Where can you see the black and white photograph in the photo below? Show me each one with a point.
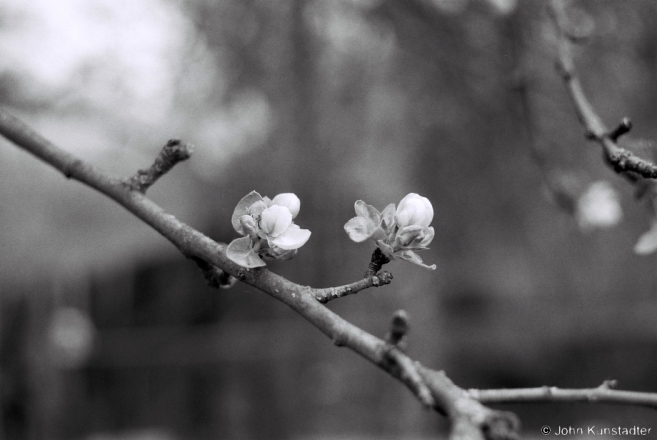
(328, 219)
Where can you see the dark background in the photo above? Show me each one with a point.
(107, 332)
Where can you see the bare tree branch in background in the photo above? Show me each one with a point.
(619, 159)
(637, 170)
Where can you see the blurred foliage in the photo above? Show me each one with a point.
(335, 101)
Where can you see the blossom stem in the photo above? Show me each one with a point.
(378, 260)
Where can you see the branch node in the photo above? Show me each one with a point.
(338, 341)
(608, 384)
(501, 425)
(619, 159)
(399, 326)
(70, 167)
(408, 371)
(173, 152)
(622, 128)
(214, 276)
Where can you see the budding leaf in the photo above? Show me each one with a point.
(360, 229)
(388, 218)
(240, 251)
(368, 211)
(242, 208)
(647, 243)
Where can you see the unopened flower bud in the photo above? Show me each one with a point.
(414, 210)
(249, 224)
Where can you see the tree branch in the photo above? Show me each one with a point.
(619, 159)
(466, 413)
(601, 394)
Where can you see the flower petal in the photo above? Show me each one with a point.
(242, 208)
(290, 201)
(360, 229)
(292, 238)
(275, 220)
(240, 252)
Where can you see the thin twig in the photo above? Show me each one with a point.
(620, 159)
(602, 394)
(331, 293)
(174, 151)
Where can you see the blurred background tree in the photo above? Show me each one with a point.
(105, 332)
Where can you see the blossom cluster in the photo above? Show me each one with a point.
(398, 232)
(267, 229)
